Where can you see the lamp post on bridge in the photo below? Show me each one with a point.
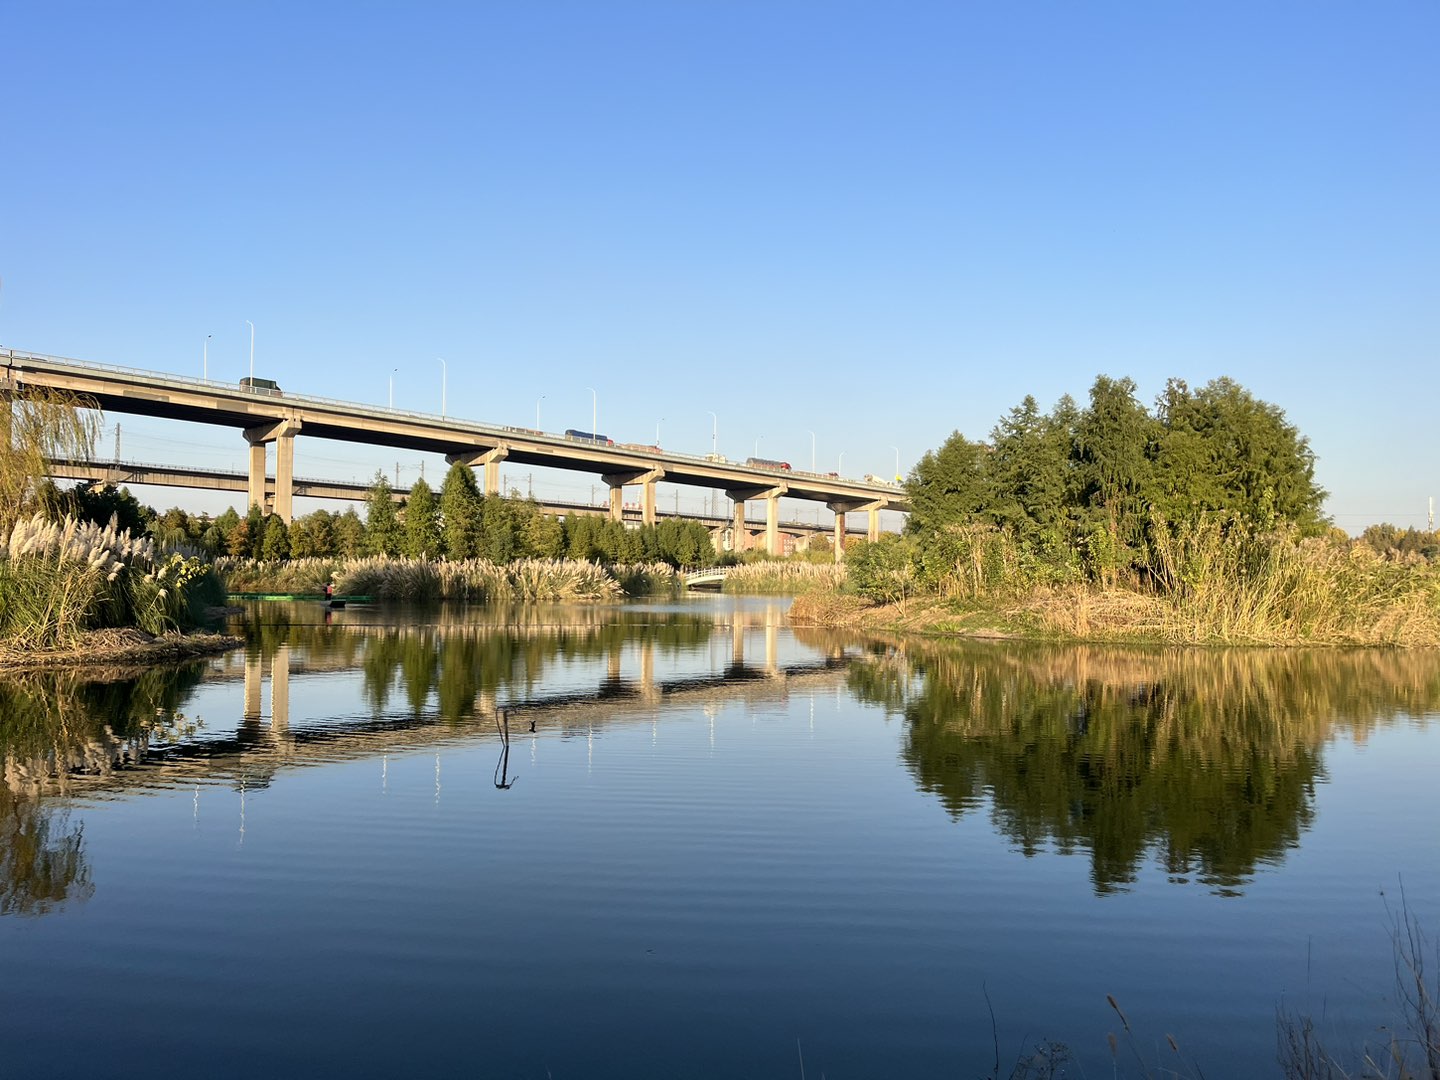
(392, 386)
(594, 411)
(252, 349)
(812, 450)
(205, 359)
(537, 412)
(897, 463)
(444, 378)
(840, 465)
(657, 430)
(714, 433)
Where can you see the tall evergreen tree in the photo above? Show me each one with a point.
(460, 513)
(382, 526)
(422, 522)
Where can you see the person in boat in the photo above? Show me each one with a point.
(329, 590)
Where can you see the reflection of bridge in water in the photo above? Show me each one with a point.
(265, 742)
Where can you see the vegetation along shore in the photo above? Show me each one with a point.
(1195, 521)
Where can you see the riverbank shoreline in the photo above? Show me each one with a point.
(1080, 616)
(125, 648)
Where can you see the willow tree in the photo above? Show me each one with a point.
(36, 428)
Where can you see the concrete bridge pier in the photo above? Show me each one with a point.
(282, 433)
(841, 507)
(773, 542)
(618, 481)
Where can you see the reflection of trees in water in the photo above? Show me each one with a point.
(461, 653)
(42, 859)
(1208, 759)
(53, 725)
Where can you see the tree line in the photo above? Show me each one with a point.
(458, 522)
(1084, 493)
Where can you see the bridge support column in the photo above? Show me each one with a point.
(774, 545)
(617, 482)
(285, 478)
(841, 507)
(873, 533)
(771, 495)
(840, 536)
(739, 538)
(256, 491)
(283, 433)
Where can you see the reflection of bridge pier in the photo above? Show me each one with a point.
(647, 670)
(253, 709)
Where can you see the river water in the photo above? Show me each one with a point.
(712, 846)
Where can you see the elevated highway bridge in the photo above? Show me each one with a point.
(265, 416)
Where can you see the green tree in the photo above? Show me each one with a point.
(349, 534)
(460, 513)
(35, 429)
(275, 543)
(382, 527)
(254, 532)
(422, 522)
(947, 486)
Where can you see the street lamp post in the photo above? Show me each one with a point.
(714, 433)
(392, 386)
(757, 444)
(840, 466)
(444, 378)
(812, 450)
(537, 412)
(205, 360)
(252, 349)
(657, 430)
(897, 463)
(594, 411)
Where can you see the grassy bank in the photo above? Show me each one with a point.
(60, 581)
(775, 577)
(1208, 588)
(465, 580)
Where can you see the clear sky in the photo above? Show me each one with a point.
(876, 222)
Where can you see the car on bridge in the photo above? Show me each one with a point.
(767, 463)
(588, 436)
(260, 386)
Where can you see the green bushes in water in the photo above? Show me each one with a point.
(60, 579)
(427, 580)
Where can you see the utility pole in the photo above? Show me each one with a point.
(117, 442)
(1431, 524)
(397, 474)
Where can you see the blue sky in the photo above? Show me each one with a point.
(876, 222)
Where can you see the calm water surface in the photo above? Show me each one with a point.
(712, 845)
